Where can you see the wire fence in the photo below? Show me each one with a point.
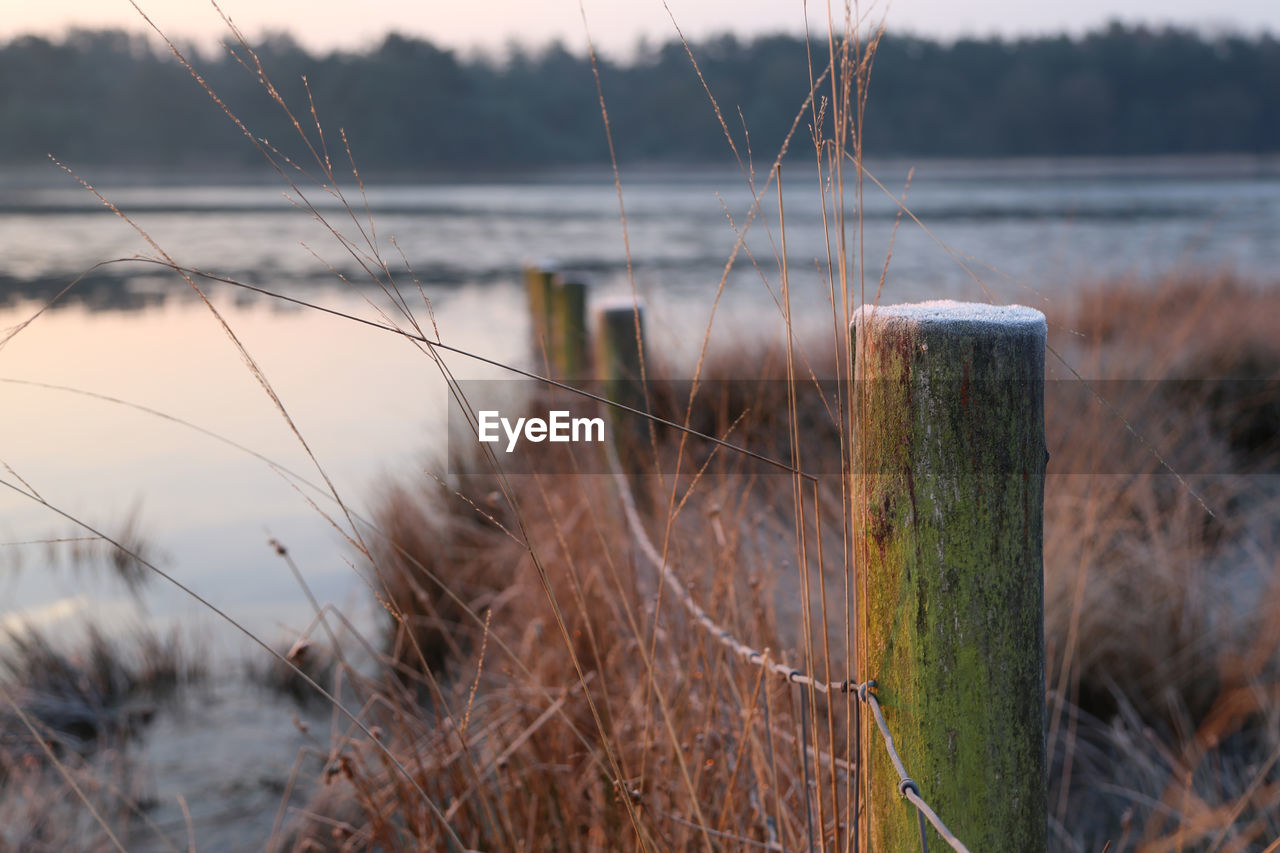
(907, 787)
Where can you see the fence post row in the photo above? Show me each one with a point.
(949, 463)
(558, 316)
(558, 321)
(948, 518)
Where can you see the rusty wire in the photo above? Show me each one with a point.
(906, 785)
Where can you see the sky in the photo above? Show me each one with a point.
(614, 25)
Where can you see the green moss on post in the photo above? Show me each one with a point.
(948, 516)
(569, 328)
(619, 355)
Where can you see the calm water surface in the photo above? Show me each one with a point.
(371, 406)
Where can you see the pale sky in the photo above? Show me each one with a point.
(614, 24)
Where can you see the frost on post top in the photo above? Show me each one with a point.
(943, 312)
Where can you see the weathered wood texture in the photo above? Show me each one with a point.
(619, 356)
(949, 456)
(569, 328)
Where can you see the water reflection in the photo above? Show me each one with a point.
(368, 404)
(1042, 224)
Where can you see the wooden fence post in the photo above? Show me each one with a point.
(948, 518)
(569, 328)
(619, 354)
(540, 282)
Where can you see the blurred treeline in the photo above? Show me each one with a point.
(108, 97)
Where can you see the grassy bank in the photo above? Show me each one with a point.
(535, 686)
(531, 660)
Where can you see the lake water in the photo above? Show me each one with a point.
(371, 406)
(82, 382)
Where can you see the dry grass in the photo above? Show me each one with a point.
(1162, 662)
(1160, 626)
(41, 811)
(292, 672)
(106, 686)
(541, 694)
(543, 703)
(67, 717)
(538, 689)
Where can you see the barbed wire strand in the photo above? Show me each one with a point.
(669, 577)
(906, 785)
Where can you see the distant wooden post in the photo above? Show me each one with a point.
(540, 282)
(619, 354)
(569, 328)
(949, 482)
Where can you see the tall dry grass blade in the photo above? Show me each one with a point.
(49, 754)
(224, 616)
